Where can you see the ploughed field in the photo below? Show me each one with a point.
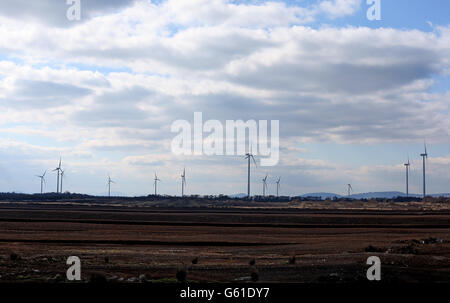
(132, 244)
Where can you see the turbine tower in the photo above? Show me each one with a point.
(156, 180)
(62, 176)
(278, 184)
(183, 181)
(42, 180)
(349, 188)
(407, 175)
(424, 156)
(249, 156)
(264, 180)
(109, 185)
(58, 169)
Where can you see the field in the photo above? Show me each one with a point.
(132, 243)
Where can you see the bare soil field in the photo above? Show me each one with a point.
(136, 244)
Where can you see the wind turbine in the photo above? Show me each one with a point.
(156, 182)
(407, 175)
(278, 184)
(424, 155)
(42, 180)
(58, 169)
(183, 181)
(249, 156)
(109, 185)
(62, 176)
(349, 188)
(264, 180)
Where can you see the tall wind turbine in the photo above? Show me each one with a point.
(156, 183)
(424, 155)
(278, 184)
(62, 177)
(183, 181)
(264, 180)
(58, 169)
(349, 188)
(42, 180)
(109, 185)
(249, 156)
(407, 175)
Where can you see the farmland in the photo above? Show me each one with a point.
(311, 243)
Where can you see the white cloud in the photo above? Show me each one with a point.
(339, 8)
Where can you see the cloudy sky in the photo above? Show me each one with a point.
(354, 97)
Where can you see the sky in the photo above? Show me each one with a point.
(354, 97)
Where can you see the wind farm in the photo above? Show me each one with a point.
(251, 161)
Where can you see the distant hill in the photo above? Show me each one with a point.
(382, 195)
(447, 195)
(372, 195)
(391, 195)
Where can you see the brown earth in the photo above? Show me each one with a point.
(329, 245)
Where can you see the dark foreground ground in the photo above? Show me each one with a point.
(132, 244)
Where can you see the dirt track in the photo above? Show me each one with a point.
(329, 246)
